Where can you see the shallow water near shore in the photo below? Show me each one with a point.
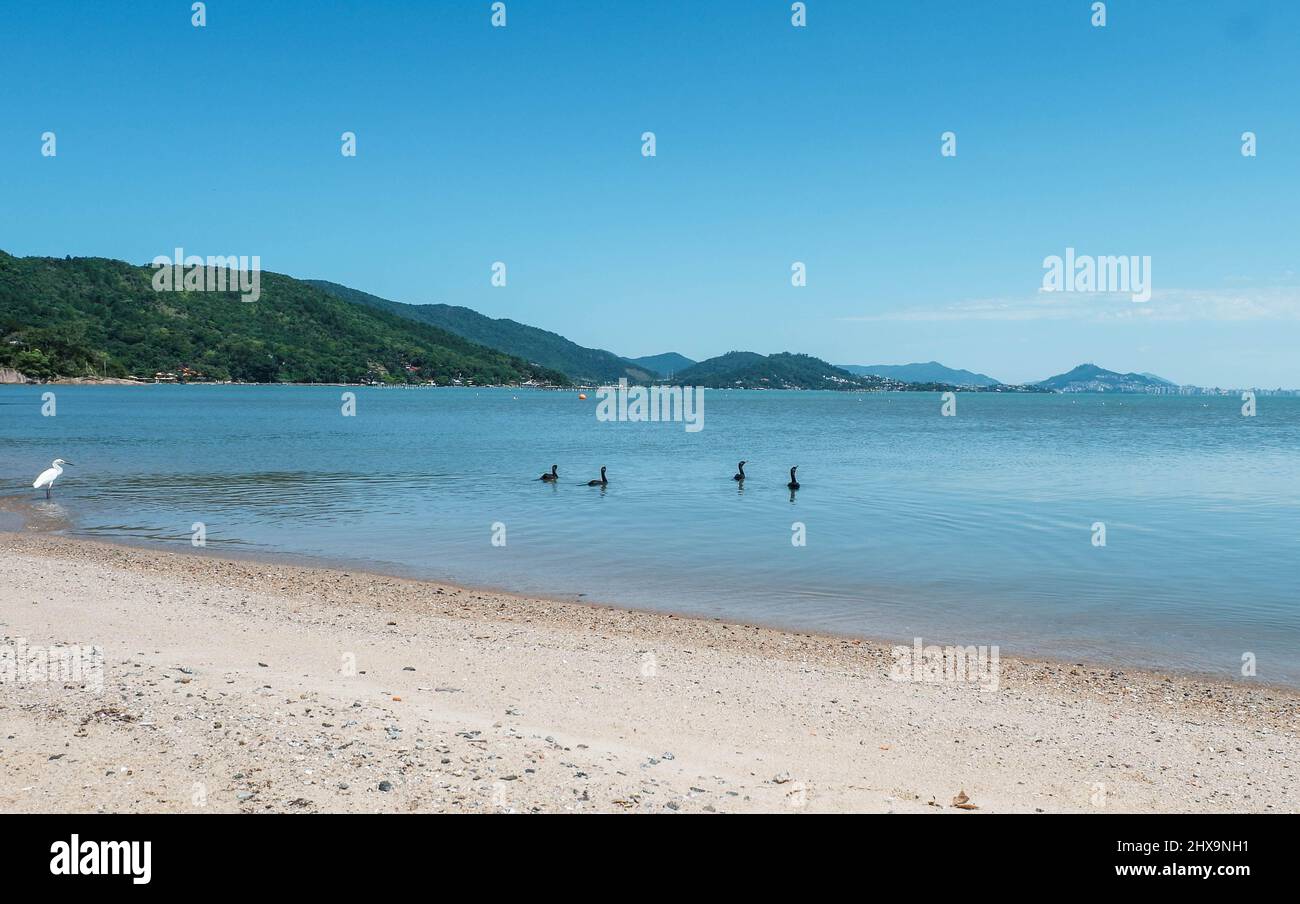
(974, 529)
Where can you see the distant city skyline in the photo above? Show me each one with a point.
(774, 145)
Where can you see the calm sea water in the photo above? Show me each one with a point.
(970, 529)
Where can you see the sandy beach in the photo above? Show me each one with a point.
(245, 686)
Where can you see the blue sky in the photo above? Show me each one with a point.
(775, 144)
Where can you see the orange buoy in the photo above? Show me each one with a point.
(582, 395)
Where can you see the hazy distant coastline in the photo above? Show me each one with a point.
(95, 320)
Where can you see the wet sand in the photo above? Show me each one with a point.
(250, 686)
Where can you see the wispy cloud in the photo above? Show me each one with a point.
(1171, 305)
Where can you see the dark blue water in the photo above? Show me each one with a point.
(972, 529)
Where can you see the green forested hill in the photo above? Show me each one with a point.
(94, 316)
(720, 366)
(1091, 378)
(750, 370)
(528, 342)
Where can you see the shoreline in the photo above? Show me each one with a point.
(475, 700)
(26, 515)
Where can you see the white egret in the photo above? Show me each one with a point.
(49, 475)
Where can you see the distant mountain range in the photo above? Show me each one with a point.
(750, 370)
(538, 346)
(1084, 378)
(738, 370)
(930, 372)
(97, 318)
